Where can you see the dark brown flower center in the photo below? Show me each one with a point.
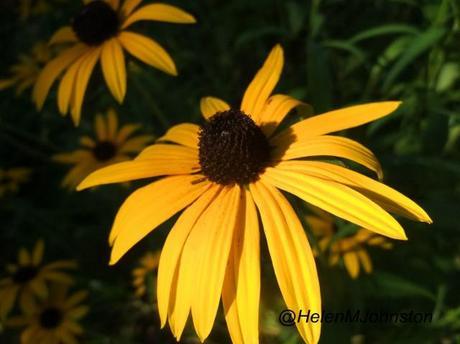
(104, 150)
(232, 148)
(25, 274)
(96, 23)
(50, 318)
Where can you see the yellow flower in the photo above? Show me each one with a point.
(112, 144)
(25, 72)
(352, 248)
(99, 32)
(10, 179)
(53, 319)
(148, 264)
(27, 278)
(226, 173)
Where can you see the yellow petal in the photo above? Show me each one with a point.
(184, 134)
(337, 120)
(129, 6)
(135, 218)
(37, 255)
(327, 145)
(169, 264)
(148, 51)
(241, 290)
(351, 262)
(160, 12)
(8, 297)
(63, 35)
(115, 4)
(166, 151)
(135, 144)
(100, 127)
(75, 299)
(263, 84)
(114, 69)
(73, 157)
(336, 199)
(291, 256)
(24, 257)
(388, 198)
(277, 108)
(212, 238)
(365, 260)
(211, 105)
(81, 81)
(52, 71)
(112, 124)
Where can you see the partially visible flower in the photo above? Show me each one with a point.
(148, 265)
(25, 72)
(111, 144)
(352, 249)
(53, 319)
(10, 179)
(27, 278)
(99, 32)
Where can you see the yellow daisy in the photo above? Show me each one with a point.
(100, 32)
(111, 144)
(148, 265)
(227, 173)
(54, 319)
(25, 72)
(352, 248)
(27, 278)
(10, 179)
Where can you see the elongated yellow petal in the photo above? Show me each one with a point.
(63, 35)
(37, 255)
(24, 257)
(81, 81)
(100, 127)
(351, 262)
(8, 298)
(160, 12)
(211, 105)
(263, 84)
(66, 86)
(112, 125)
(241, 289)
(115, 4)
(388, 198)
(365, 260)
(336, 199)
(129, 6)
(114, 69)
(337, 120)
(168, 268)
(52, 71)
(135, 144)
(291, 256)
(184, 134)
(327, 145)
(214, 231)
(148, 207)
(276, 109)
(148, 51)
(126, 131)
(168, 151)
(73, 157)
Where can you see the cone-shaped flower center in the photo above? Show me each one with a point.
(50, 318)
(232, 148)
(104, 150)
(24, 274)
(96, 23)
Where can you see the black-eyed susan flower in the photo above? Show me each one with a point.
(11, 178)
(27, 278)
(352, 249)
(100, 31)
(227, 174)
(25, 72)
(53, 319)
(148, 264)
(111, 144)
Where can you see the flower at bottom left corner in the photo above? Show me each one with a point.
(53, 319)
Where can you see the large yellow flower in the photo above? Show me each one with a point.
(148, 265)
(25, 72)
(28, 278)
(226, 174)
(10, 179)
(351, 248)
(100, 32)
(54, 319)
(112, 144)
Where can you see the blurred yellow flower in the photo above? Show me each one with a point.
(53, 319)
(10, 179)
(25, 72)
(99, 32)
(148, 265)
(111, 144)
(226, 174)
(352, 249)
(27, 278)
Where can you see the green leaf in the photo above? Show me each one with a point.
(396, 286)
(387, 29)
(347, 47)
